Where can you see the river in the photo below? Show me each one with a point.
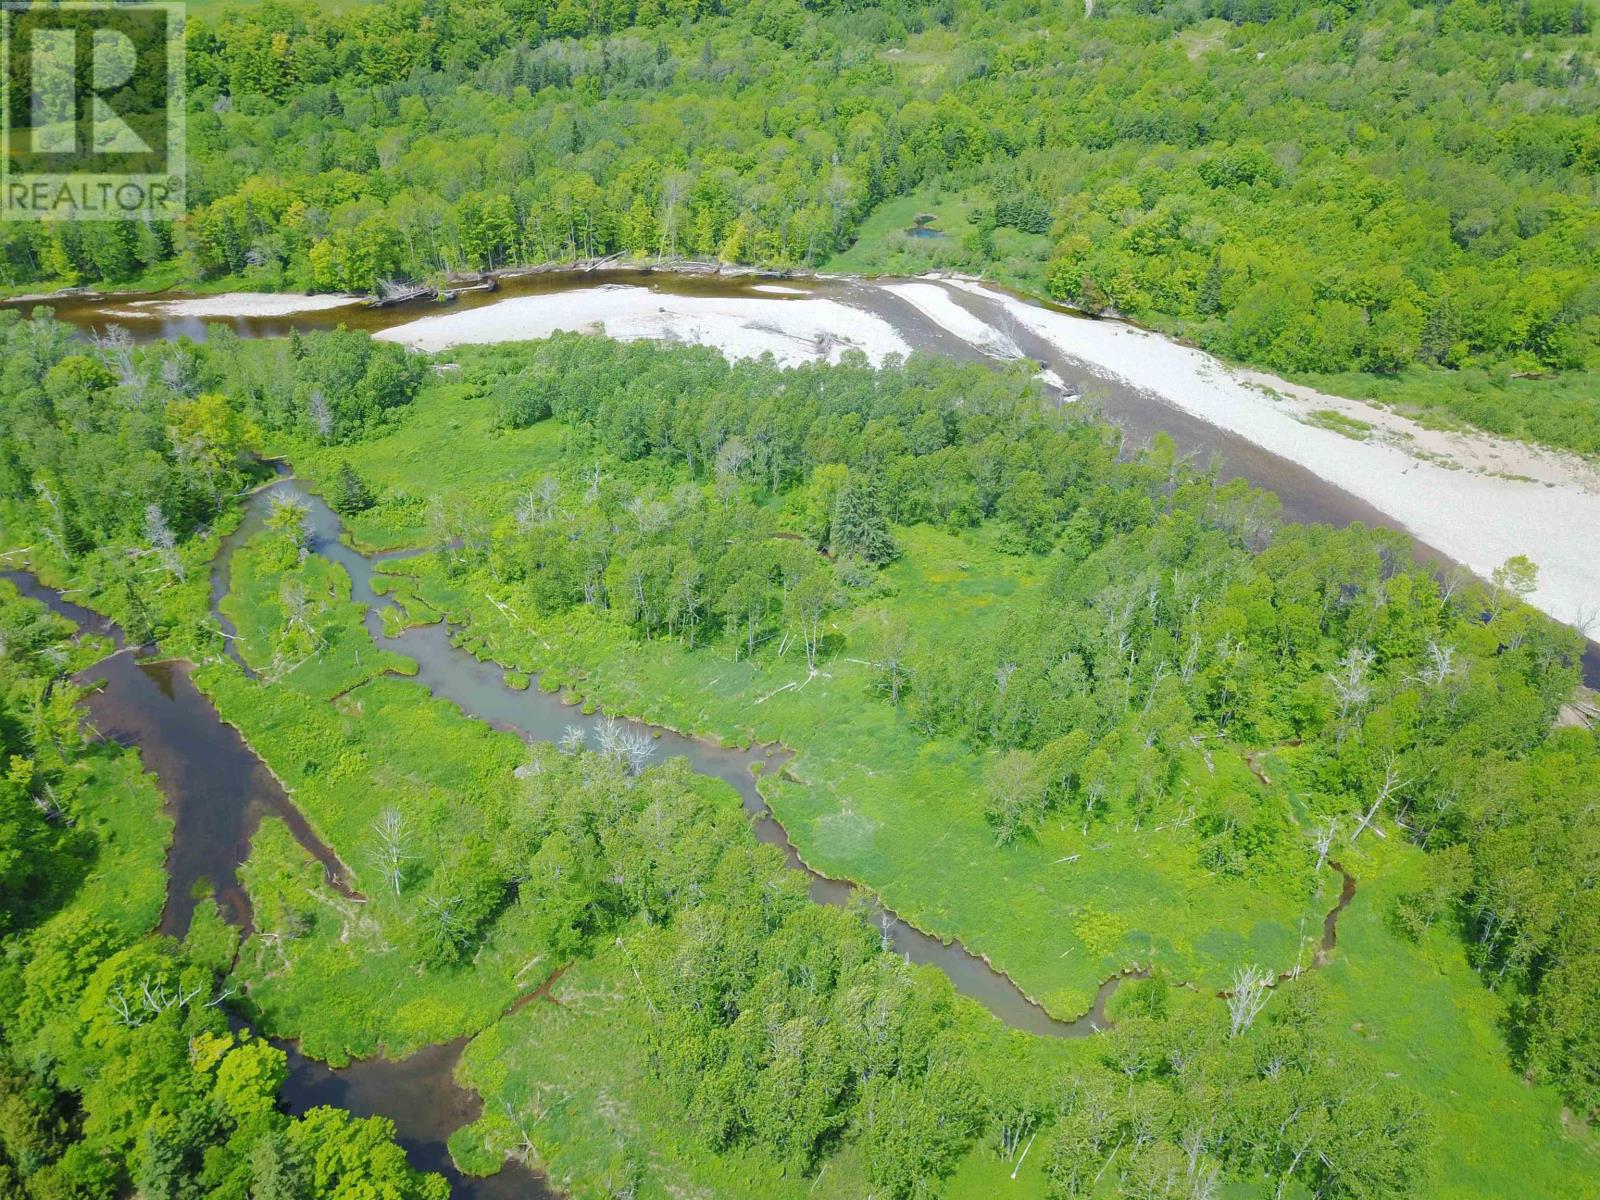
(751, 313)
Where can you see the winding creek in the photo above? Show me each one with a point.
(479, 690)
(218, 790)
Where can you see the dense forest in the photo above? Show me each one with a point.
(743, 513)
(1381, 189)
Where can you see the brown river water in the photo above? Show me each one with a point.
(1305, 496)
(218, 790)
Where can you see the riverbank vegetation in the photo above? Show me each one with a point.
(1398, 198)
(1034, 681)
(119, 1069)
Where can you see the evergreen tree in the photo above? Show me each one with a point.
(860, 529)
(351, 494)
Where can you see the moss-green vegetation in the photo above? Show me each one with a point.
(967, 240)
(1418, 1010)
(1341, 423)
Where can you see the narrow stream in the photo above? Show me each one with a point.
(217, 791)
(479, 689)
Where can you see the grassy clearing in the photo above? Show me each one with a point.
(126, 881)
(410, 471)
(883, 247)
(868, 799)
(1421, 1012)
(348, 742)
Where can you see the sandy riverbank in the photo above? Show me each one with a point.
(935, 303)
(235, 304)
(1476, 498)
(794, 330)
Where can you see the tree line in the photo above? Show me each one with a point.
(1313, 188)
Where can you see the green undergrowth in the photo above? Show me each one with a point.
(1418, 1011)
(125, 882)
(569, 1074)
(349, 741)
(867, 798)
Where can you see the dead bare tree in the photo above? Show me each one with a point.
(608, 738)
(1251, 988)
(1391, 784)
(1441, 664)
(637, 749)
(321, 414)
(732, 458)
(177, 371)
(153, 998)
(115, 344)
(1324, 842)
(390, 853)
(545, 1099)
(1351, 685)
(540, 504)
(892, 638)
(163, 540)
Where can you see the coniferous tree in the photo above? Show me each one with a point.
(351, 493)
(860, 529)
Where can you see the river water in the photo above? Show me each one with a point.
(217, 791)
(1305, 496)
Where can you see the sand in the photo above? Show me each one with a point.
(936, 304)
(235, 304)
(1476, 498)
(793, 331)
